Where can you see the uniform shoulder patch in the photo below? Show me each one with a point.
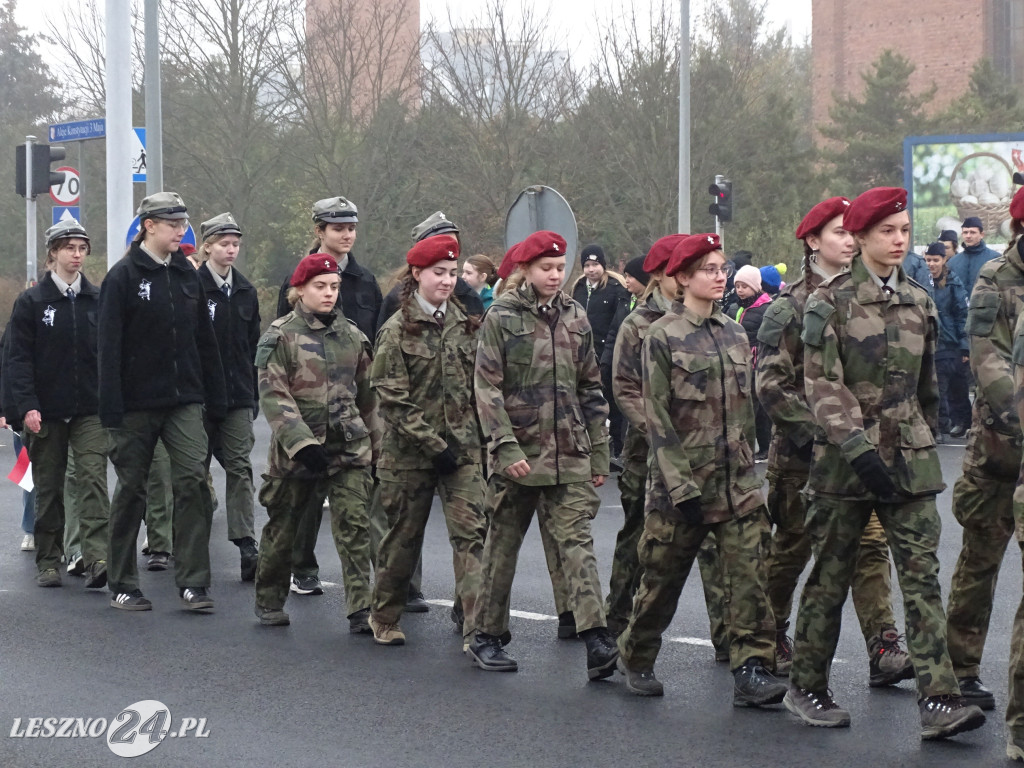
(267, 343)
(816, 317)
(981, 316)
(780, 314)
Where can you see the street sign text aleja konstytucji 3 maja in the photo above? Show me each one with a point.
(80, 130)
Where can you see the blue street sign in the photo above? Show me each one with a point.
(133, 230)
(139, 155)
(66, 212)
(79, 130)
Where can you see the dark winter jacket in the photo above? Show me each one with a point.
(627, 303)
(51, 360)
(157, 346)
(463, 292)
(751, 314)
(236, 323)
(951, 302)
(359, 297)
(966, 264)
(601, 304)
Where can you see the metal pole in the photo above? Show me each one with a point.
(154, 117)
(81, 186)
(119, 126)
(30, 216)
(684, 116)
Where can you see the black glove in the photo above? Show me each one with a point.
(314, 458)
(445, 462)
(874, 474)
(690, 511)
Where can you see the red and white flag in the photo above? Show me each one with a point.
(22, 472)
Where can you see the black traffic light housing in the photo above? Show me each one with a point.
(43, 156)
(721, 191)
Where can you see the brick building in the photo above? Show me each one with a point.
(943, 39)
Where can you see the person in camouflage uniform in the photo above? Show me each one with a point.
(627, 390)
(1015, 703)
(869, 371)
(828, 250)
(983, 495)
(701, 478)
(539, 399)
(423, 376)
(315, 393)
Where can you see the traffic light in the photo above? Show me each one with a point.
(721, 191)
(43, 156)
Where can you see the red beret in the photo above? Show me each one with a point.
(540, 244)
(187, 248)
(872, 206)
(1017, 205)
(820, 215)
(314, 265)
(431, 250)
(660, 253)
(508, 263)
(691, 248)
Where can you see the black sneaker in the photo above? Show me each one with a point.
(249, 555)
(567, 626)
(49, 577)
(158, 561)
(272, 617)
(97, 575)
(359, 622)
(487, 653)
(602, 653)
(943, 716)
(755, 686)
(642, 682)
(196, 599)
(306, 585)
(415, 603)
(889, 663)
(976, 693)
(130, 601)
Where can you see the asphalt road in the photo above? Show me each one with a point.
(313, 695)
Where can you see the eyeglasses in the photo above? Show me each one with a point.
(181, 224)
(713, 272)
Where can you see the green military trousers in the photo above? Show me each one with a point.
(131, 451)
(668, 547)
(86, 440)
(287, 501)
(836, 526)
(791, 550)
(565, 511)
(406, 496)
(235, 440)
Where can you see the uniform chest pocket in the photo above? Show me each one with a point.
(689, 376)
(577, 342)
(519, 346)
(740, 359)
(418, 348)
(245, 311)
(190, 292)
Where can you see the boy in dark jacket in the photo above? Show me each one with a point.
(952, 352)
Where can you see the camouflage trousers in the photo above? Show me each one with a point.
(626, 566)
(791, 551)
(667, 550)
(380, 524)
(836, 526)
(287, 501)
(406, 497)
(566, 511)
(984, 507)
(1015, 690)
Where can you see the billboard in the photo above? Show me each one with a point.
(952, 177)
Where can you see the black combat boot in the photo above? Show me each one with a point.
(488, 654)
(755, 686)
(602, 652)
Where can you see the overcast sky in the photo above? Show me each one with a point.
(575, 30)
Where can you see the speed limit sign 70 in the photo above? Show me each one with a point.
(67, 193)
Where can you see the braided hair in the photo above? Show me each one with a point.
(405, 298)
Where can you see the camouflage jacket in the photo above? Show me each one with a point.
(869, 374)
(994, 442)
(780, 376)
(627, 383)
(538, 391)
(700, 418)
(315, 388)
(425, 387)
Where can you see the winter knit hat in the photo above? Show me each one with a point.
(749, 275)
(593, 253)
(771, 277)
(635, 269)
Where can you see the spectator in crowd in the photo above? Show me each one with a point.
(952, 353)
(967, 264)
(751, 302)
(479, 272)
(949, 239)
